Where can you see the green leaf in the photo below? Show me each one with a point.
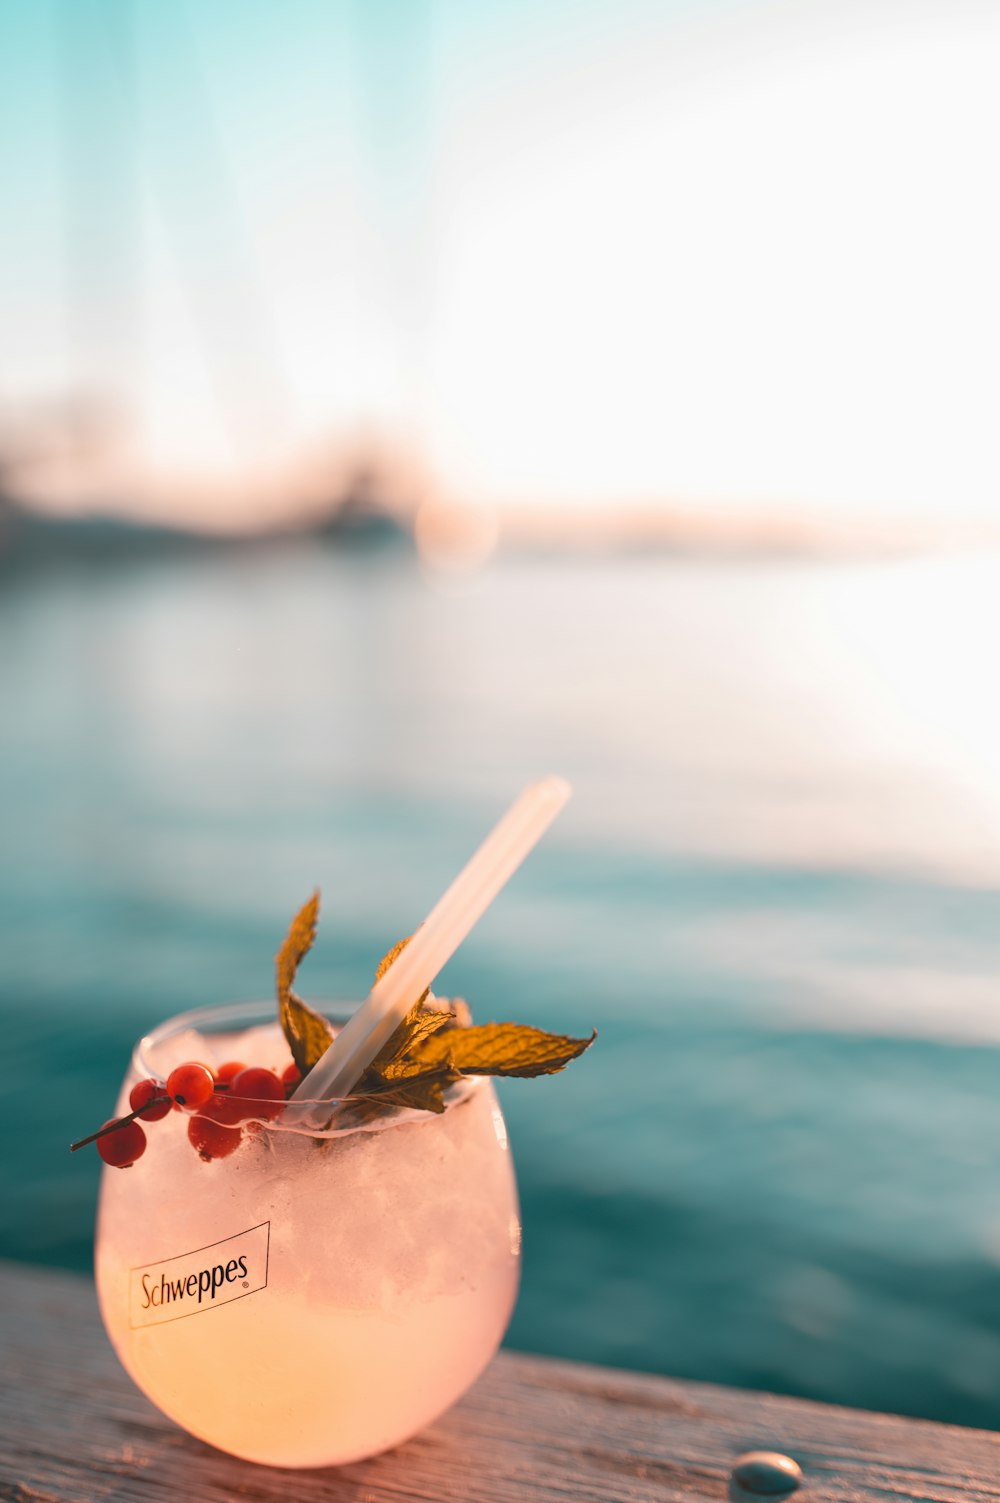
(499, 1049)
(308, 1033)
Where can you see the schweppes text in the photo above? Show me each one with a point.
(192, 1282)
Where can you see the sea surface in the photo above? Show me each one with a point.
(776, 894)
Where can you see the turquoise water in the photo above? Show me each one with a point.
(776, 894)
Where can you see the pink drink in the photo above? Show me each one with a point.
(307, 1300)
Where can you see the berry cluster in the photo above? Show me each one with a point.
(218, 1103)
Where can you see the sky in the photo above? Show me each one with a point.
(709, 255)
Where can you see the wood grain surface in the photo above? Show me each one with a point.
(73, 1427)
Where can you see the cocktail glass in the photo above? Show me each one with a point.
(309, 1299)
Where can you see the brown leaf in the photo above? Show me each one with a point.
(394, 1061)
(308, 1033)
(393, 1078)
(434, 1045)
(500, 1049)
(460, 1011)
(425, 1092)
(387, 960)
(296, 944)
(390, 956)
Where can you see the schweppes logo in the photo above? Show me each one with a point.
(193, 1282)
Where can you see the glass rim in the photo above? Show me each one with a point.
(212, 1017)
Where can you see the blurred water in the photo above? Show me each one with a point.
(776, 894)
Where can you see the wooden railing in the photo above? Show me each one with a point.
(74, 1429)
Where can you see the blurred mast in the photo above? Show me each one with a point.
(126, 130)
(102, 208)
(393, 51)
(194, 191)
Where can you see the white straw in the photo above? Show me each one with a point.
(437, 939)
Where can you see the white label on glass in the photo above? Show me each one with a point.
(194, 1282)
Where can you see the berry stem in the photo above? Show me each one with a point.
(131, 1116)
(118, 1122)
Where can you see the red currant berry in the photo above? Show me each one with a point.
(147, 1090)
(225, 1073)
(290, 1077)
(190, 1086)
(221, 1108)
(210, 1140)
(259, 1093)
(122, 1147)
